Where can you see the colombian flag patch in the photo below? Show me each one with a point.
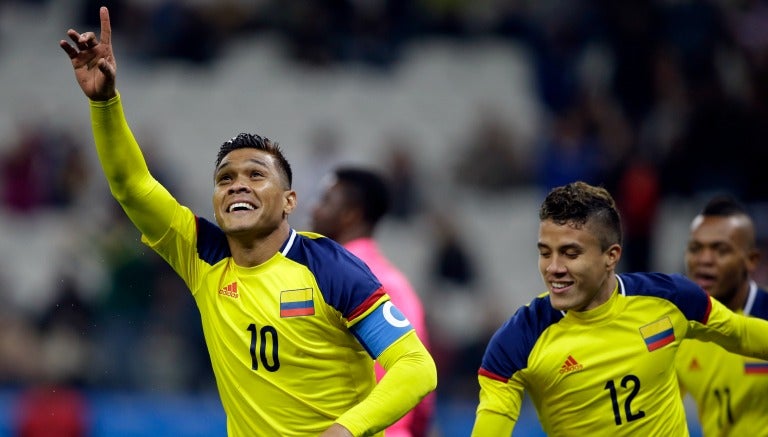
(756, 367)
(295, 303)
(658, 334)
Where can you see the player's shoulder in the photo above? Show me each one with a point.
(511, 344)
(344, 280)
(212, 245)
(310, 247)
(529, 321)
(685, 294)
(657, 284)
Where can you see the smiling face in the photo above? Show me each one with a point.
(251, 196)
(577, 271)
(720, 256)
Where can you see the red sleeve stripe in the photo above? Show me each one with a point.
(363, 307)
(705, 319)
(487, 374)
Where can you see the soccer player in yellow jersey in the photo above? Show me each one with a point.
(292, 321)
(596, 353)
(730, 390)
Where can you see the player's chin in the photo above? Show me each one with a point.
(560, 303)
(235, 228)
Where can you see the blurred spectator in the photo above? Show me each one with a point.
(663, 126)
(324, 151)
(718, 135)
(171, 354)
(178, 31)
(23, 167)
(401, 171)
(20, 349)
(52, 411)
(638, 196)
(632, 34)
(452, 264)
(124, 305)
(490, 161)
(66, 326)
(44, 168)
(569, 153)
(53, 403)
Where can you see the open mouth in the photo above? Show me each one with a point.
(241, 206)
(704, 280)
(560, 286)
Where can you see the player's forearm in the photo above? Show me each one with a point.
(499, 407)
(488, 423)
(411, 375)
(147, 203)
(120, 156)
(733, 332)
(754, 337)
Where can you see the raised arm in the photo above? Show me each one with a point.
(93, 60)
(149, 206)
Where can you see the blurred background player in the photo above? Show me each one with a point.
(730, 390)
(350, 207)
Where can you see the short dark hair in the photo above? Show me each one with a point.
(366, 189)
(578, 203)
(723, 206)
(245, 140)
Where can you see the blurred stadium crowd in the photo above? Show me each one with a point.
(663, 102)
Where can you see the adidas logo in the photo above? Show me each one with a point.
(570, 365)
(694, 365)
(230, 290)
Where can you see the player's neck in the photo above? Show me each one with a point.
(251, 252)
(353, 233)
(739, 299)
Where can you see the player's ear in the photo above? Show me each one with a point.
(753, 260)
(289, 202)
(612, 256)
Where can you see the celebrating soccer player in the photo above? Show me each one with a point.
(292, 321)
(596, 353)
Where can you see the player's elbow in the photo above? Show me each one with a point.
(430, 375)
(425, 374)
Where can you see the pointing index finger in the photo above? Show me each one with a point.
(106, 27)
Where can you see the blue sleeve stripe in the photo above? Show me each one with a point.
(293, 305)
(382, 327)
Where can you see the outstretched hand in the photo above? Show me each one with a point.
(93, 60)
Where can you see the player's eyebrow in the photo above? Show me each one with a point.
(226, 163)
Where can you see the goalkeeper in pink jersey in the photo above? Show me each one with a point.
(352, 203)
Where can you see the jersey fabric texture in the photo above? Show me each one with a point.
(404, 297)
(608, 371)
(292, 341)
(730, 390)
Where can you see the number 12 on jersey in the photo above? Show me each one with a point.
(634, 381)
